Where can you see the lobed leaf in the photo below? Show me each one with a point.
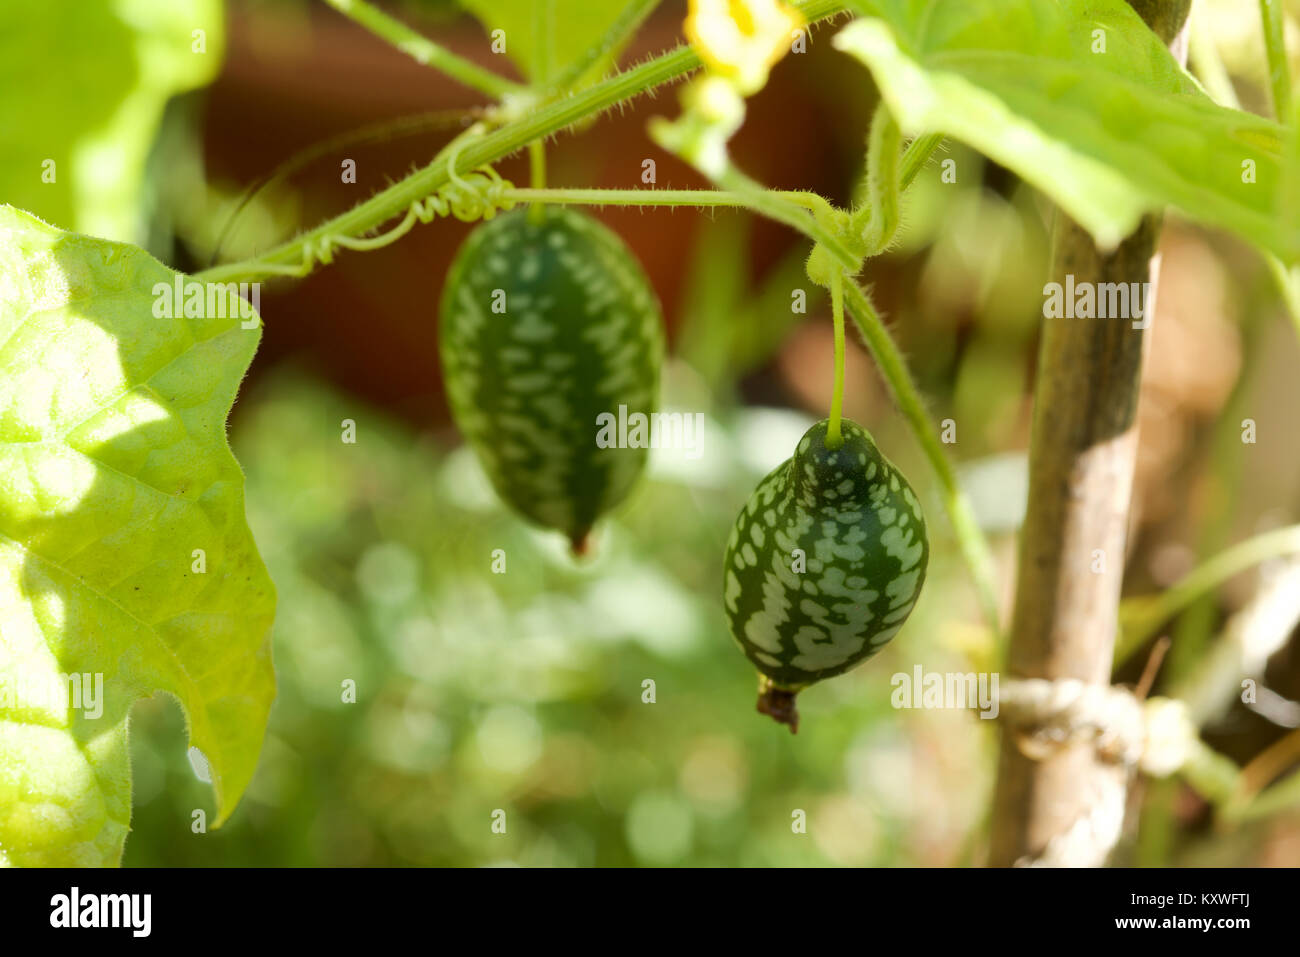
(1110, 136)
(115, 480)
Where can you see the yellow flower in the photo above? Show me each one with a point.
(742, 39)
(713, 112)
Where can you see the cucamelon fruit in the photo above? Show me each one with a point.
(824, 564)
(546, 323)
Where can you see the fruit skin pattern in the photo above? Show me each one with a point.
(864, 552)
(577, 331)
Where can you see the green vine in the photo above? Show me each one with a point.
(537, 176)
(970, 537)
(460, 182)
(1279, 74)
(876, 220)
(1141, 618)
(833, 437)
(299, 256)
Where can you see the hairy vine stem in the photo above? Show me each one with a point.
(537, 176)
(970, 538)
(876, 220)
(702, 198)
(793, 211)
(915, 157)
(372, 133)
(298, 256)
(833, 438)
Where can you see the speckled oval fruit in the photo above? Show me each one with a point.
(824, 564)
(545, 326)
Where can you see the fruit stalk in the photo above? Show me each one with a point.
(902, 387)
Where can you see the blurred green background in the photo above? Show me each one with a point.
(525, 690)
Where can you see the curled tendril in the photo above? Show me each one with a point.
(479, 194)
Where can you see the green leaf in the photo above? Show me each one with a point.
(114, 473)
(542, 37)
(83, 84)
(1108, 135)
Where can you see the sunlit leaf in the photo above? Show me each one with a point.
(82, 88)
(1083, 101)
(125, 558)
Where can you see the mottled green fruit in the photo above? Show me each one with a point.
(824, 564)
(545, 326)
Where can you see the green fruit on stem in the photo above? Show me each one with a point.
(824, 564)
(548, 323)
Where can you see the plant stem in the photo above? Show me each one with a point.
(784, 206)
(1269, 765)
(1281, 798)
(1142, 617)
(1212, 775)
(372, 133)
(1279, 76)
(537, 167)
(876, 220)
(833, 439)
(298, 256)
(970, 538)
(792, 212)
(915, 157)
(425, 51)
(563, 196)
(1251, 635)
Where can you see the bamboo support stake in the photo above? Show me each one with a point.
(1066, 807)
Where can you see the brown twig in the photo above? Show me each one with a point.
(1152, 668)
